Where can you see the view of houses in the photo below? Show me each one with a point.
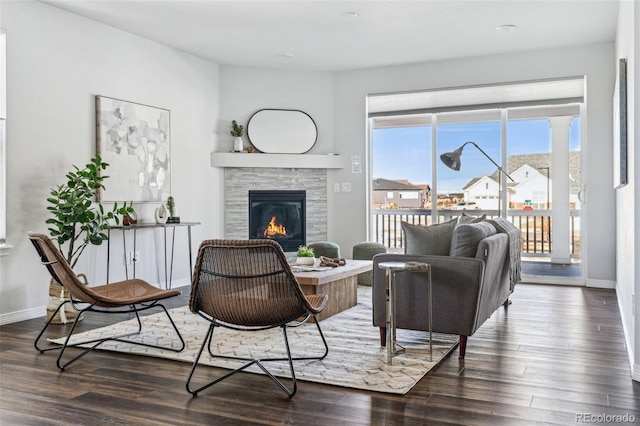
(531, 188)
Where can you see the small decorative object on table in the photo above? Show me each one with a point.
(130, 218)
(305, 256)
(332, 261)
(161, 214)
(237, 130)
(171, 205)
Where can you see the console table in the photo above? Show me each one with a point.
(168, 263)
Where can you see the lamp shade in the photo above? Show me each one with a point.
(452, 159)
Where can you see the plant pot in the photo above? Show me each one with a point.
(130, 219)
(237, 144)
(57, 295)
(308, 261)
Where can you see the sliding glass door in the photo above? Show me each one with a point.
(544, 157)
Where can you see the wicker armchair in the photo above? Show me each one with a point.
(124, 297)
(248, 285)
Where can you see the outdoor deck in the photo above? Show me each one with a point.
(539, 268)
(535, 227)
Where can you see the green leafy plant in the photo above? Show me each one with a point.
(77, 220)
(171, 206)
(305, 252)
(237, 130)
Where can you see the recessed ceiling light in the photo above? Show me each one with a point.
(350, 14)
(506, 27)
(287, 55)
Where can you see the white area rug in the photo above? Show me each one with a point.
(355, 360)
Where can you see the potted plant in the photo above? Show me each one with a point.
(237, 130)
(77, 220)
(171, 206)
(305, 256)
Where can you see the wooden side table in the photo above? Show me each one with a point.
(393, 268)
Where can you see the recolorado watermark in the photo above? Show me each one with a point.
(605, 418)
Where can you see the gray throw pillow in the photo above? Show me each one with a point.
(433, 239)
(465, 218)
(466, 237)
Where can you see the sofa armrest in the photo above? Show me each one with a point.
(456, 285)
(493, 251)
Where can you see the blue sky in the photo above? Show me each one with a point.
(405, 153)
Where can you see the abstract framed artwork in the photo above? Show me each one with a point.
(135, 140)
(620, 155)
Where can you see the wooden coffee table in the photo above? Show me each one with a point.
(340, 283)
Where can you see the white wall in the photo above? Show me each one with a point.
(594, 62)
(245, 90)
(56, 63)
(628, 197)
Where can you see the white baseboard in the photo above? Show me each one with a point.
(178, 284)
(601, 284)
(27, 314)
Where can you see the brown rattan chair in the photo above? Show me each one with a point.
(248, 285)
(123, 297)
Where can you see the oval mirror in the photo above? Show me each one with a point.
(282, 131)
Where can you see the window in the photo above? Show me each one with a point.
(410, 131)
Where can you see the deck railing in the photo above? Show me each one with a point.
(535, 227)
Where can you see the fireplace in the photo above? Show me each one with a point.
(279, 216)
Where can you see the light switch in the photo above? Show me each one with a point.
(346, 186)
(336, 187)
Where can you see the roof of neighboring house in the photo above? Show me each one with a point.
(472, 182)
(475, 180)
(543, 160)
(393, 185)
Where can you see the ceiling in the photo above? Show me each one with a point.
(334, 35)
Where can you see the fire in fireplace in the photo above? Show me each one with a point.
(278, 215)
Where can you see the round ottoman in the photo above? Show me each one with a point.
(365, 251)
(325, 248)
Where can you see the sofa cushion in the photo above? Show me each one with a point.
(465, 218)
(465, 239)
(433, 239)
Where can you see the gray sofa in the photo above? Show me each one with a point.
(469, 282)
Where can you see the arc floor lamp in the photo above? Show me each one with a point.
(453, 161)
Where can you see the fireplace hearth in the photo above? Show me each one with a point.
(279, 215)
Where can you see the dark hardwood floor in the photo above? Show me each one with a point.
(555, 356)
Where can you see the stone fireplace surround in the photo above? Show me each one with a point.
(239, 180)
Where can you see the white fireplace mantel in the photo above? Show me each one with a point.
(297, 161)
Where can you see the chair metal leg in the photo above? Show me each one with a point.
(251, 361)
(98, 342)
(35, 343)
